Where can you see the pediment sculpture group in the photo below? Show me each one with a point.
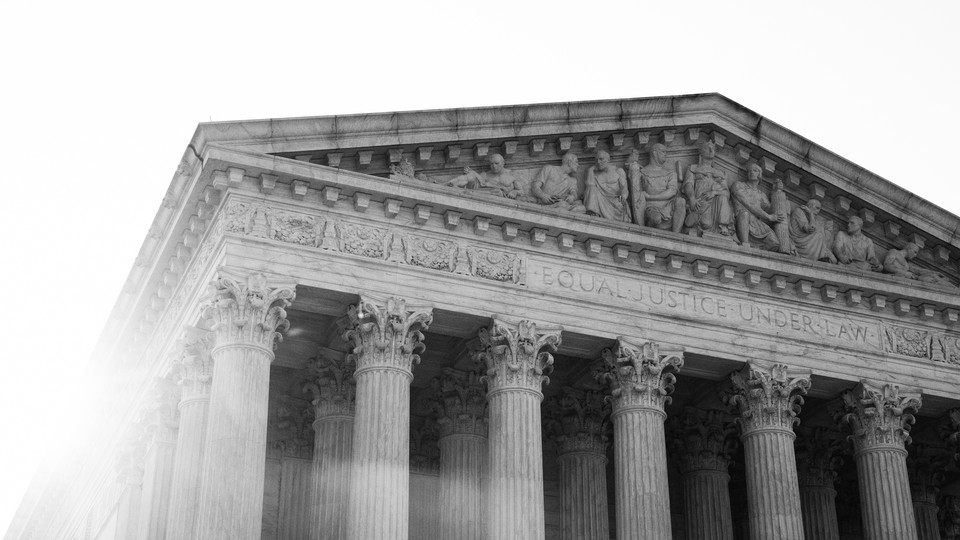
(698, 201)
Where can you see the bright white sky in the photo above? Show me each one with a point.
(99, 101)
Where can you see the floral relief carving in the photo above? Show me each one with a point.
(768, 398)
(460, 403)
(332, 385)
(495, 265)
(704, 439)
(517, 355)
(877, 415)
(907, 341)
(430, 253)
(194, 367)
(362, 240)
(577, 420)
(819, 455)
(639, 375)
(249, 312)
(294, 420)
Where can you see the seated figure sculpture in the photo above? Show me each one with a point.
(556, 185)
(897, 262)
(853, 248)
(708, 208)
(656, 192)
(752, 209)
(808, 234)
(605, 194)
(498, 181)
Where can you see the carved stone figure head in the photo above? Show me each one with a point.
(910, 250)
(496, 163)
(707, 149)
(603, 159)
(753, 172)
(814, 206)
(570, 163)
(854, 224)
(658, 154)
(634, 156)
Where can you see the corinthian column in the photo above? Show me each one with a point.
(461, 408)
(925, 470)
(195, 372)
(640, 380)
(769, 400)
(333, 389)
(705, 445)
(577, 422)
(387, 337)
(515, 365)
(818, 457)
(129, 469)
(159, 420)
(876, 415)
(246, 316)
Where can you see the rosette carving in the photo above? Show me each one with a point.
(925, 467)
(877, 415)
(514, 356)
(768, 398)
(640, 375)
(194, 366)
(248, 312)
(331, 385)
(577, 421)
(460, 403)
(819, 456)
(705, 440)
(387, 334)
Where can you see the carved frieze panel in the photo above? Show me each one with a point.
(922, 343)
(363, 240)
(430, 253)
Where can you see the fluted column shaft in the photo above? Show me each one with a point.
(773, 494)
(885, 494)
(818, 504)
(928, 524)
(640, 461)
(185, 486)
(877, 416)
(332, 455)
(516, 466)
(463, 459)
(231, 492)
(706, 505)
(583, 496)
(380, 481)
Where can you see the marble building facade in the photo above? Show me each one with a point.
(658, 318)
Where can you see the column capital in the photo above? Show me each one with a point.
(424, 449)
(819, 456)
(577, 421)
(705, 440)
(639, 374)
(248, 311)
(925, 467)
(877, 416)
(517, 354)
(331, 384)
(129, 459)
(194, 365)
(158, 416)
(460, 403)
(387, 333)
(294, 417)
(768, 397)
(950, 432)
(950, 517)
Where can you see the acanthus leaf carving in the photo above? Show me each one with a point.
(158, 418)
(925, 467)
(768, 397)
(331, 384)
(704, 439)
(460, 403)
(819, 454)
(495, 265)
(430, 253)
(577, 420)
(294, 418)
(517, 356)
(424, 447)
(640, 375)
(248, 311)
(877, 415)
(194, 366)
(387, 333)
(365, 241)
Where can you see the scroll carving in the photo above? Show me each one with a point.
(387, 333)
(248, 312)
(517, 355)
(877, 415)
(768, 398)
(640, 376)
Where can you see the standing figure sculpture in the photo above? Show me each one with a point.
(498, 181)
(808, 234)
(656, 192)
(752, 208)
(708, 196)
(853, 248)
(605, 194)
(556, 186)
(897, 262)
